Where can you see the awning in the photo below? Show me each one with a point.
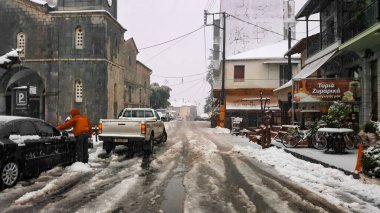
(308, 70)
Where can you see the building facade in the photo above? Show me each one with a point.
(251, 75)
(74, 55)
(253, 24)
(345, 52)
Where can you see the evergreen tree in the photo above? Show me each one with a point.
(159, 99)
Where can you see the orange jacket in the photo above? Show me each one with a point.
(79, 122)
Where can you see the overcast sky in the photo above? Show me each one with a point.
(151, 22)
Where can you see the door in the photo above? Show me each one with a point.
(56, 151)
(30, 146)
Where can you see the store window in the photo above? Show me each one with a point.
(79, 38)
(21, 43)
(78, 91)
(239, 72)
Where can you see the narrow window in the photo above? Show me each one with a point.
(79, 38)
(140, 95)
(285, 74)
(239, 73)
(78, 91)
(129, 60)
(130, 94)
(21, 43)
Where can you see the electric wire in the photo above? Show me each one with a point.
(247, 22)
(187, 82)
(183, 76)
(165, 49)
(179, 37)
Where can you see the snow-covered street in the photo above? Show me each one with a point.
(199, 169)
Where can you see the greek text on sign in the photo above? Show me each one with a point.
(316, 90)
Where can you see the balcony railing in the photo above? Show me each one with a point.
(361, 21)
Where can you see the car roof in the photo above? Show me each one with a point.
(6, 118)
(138, 109)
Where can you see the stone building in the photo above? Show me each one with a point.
(74, 55)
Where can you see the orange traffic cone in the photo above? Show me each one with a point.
(358, 167)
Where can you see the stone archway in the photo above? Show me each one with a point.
(16, 79)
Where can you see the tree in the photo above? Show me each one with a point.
(210, 79)
(337, 116)
(160, 95)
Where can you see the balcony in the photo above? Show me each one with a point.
(362, 21)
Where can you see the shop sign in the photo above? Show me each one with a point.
(317, 90)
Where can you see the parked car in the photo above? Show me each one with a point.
(29, 146)
(137, 128)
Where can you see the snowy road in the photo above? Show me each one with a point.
(199, 169)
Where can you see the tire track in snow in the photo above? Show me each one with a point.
(104, 180)
(272, 180)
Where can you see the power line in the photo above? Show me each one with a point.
(164, 50)
(184, 35)
(187, 82)
(180, 76)
(247, 22)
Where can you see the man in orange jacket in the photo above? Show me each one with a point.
(82, 130)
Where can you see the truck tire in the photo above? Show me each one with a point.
(131, 149)
(164, 137)
(9, 174)
(148, 146)
(108, 147)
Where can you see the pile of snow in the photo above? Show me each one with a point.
(220, 130)
(79, 167)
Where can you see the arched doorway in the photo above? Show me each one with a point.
(27, 84)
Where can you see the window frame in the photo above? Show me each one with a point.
(239, 77)
(79, 38)
(21, 44)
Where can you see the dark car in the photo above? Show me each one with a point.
(29, 146)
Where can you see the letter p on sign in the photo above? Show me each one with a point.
(21, 98)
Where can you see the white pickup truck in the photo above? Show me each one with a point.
(137, 128)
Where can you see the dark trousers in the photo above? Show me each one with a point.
(81, 148)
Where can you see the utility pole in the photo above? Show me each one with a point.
(222, 105)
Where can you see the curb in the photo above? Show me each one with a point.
(312, 160)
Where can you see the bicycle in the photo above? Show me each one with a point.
(292, 138)
(352, 140)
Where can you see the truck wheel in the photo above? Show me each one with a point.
(131, 150)
(10, 173)
(164, 137)
(148, 146)
(108, 147)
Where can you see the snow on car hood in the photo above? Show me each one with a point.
(20, 139)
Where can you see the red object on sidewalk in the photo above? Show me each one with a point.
(358, 167)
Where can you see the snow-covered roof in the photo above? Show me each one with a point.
(273, 51)
(5, 58)
(231, 106)
(51, 3)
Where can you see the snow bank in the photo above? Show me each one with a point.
(220, 130)
(334, 185)
(79, 167)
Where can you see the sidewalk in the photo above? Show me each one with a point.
(345, 162)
